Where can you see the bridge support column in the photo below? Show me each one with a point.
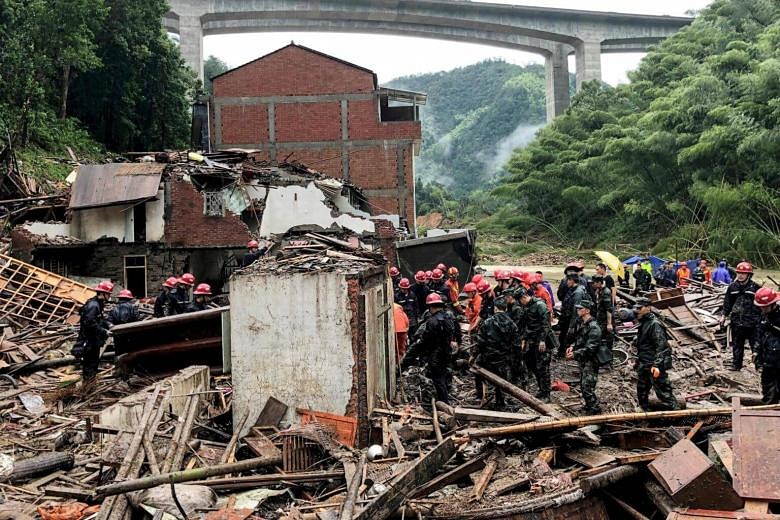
(588, 55)
(191, 42)
(556, 68)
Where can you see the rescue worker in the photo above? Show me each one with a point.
(767, 355)
(438, 286)
(93, 332)
(721, 275)
(537, 341)
(536, 289)
(473, 305)
(604, 310)
(441, 267)
(666, 277)
(497, 340)
(254, 253)
(502, 282)
(644, 280)
(125, 311)
(201, 298)
(477, 278)
(408, 302)
(421, 289)
(702, 273)
(587, 338)
(609, 282)
(433, 341)
(654, 359)
(515, 279)
(401, 322)
(547, 287)
(452, 284)
(165, 304)
(395, 276)
(744, 316)
(488, 297)
(563, 287)
(575, 293)
(183, 286)
(682, 273)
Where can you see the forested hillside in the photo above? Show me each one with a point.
(474, 117)
(89, 74)
(683, 159)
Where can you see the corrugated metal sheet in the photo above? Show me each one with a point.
(108, 184)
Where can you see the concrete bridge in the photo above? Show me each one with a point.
(552, 33)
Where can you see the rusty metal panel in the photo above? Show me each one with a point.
(704, 514)
(108, 184)
(692, 480)
(756, 443)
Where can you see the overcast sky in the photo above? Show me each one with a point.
(394, 56)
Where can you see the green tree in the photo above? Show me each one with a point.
(213, 66)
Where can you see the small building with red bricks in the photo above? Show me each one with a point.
(298, 104)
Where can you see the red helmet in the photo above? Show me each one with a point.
(252, 244)
(765, 297)
(124, 293)
(745, 267)
(535, 278)
(203, 289)
(477, 278)
(501, 275)
(187, 279)
(441, 267)
(171, 282)
(437, 274)
(453, 271)
(433, 299)
(394, 271)
(483, 287)
(428, 274)
(420, 276)
(526, 278)
(470, 287)
(517, 274)
(404, 283)
(105, 286)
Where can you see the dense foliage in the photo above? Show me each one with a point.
(683, 159)
(212, 66)
(104, 64)
(474, 117)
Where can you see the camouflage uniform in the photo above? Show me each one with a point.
(738, 306)
(575, 295)
(587, 338)
(518, 372)
(535, 334)
(495, 341)
(432, 341)
(603, 306)
(653, 350)
(768, 356)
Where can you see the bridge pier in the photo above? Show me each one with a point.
(556, 68)
(191, 42)
(588, 58)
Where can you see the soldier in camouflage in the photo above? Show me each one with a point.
(575, 294)
(518, 372)
(654, 358)
(587, 338)
(497, 338)
(604, 309)
(536, 334)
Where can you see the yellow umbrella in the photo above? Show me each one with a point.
(612, 262)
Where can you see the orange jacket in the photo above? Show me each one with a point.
(542, 293)
(472, 311)
(401, 319)
(683, 272)
(454, 287)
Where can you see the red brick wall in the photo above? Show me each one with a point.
(187, 226)
(325, 160)
(244, 124)
(363, 121)
(374, 168)
(307, 122)
(293, 71)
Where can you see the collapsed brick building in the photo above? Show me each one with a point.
(300, 104)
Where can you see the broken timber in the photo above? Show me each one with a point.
(516, 392)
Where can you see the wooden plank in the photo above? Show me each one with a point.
(756, 506)
(273, 412)
(634, 458)
(589, 457)
(724, 455)
(262, 446)
(383, 506)
(478, 415)
(69, 492)
(452, 476)
(399, 447)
